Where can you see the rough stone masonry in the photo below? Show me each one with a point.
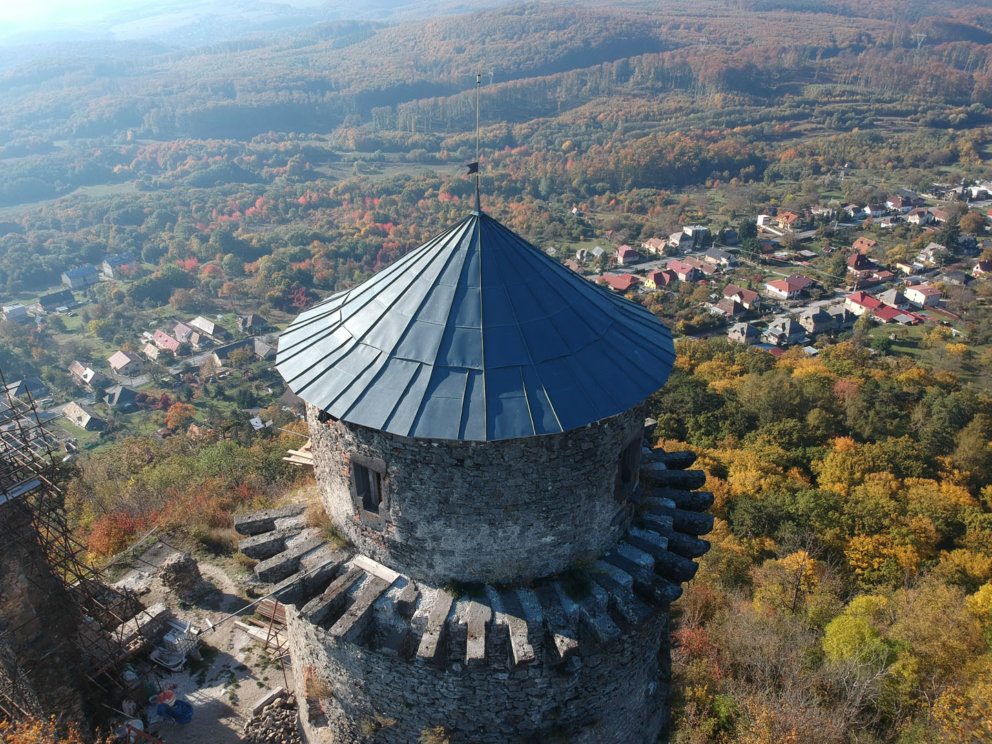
(582, 655)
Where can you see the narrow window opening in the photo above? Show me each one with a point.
(627, 473)
(368, 487)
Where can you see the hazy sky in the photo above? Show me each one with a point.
(47, 11)
(60, 12)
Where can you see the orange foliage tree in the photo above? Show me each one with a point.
(178, 415)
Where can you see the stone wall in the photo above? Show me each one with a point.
(39, 662)
(614, 694)
(581, 657)
(482, 511)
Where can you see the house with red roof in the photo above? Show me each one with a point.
(684, 271)
(619, 282)
(790, 288)
(627, 255)
(785, 220)
(889, 314)
(860, 303)
(859, 265)
(747, 297)
(660, 279)
(704, 267)
(922, 295)
(655, 245)
(864, 245)
(981, 268)
(899, 203)
(165, 342)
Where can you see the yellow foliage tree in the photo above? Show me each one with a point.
(751, 473)
(848, 465)
(957, 349)
(857, 632)
(966, 568)
(874, 560)
(915, 377)
(786, 585)
(965, 715)
(43, 731)
(937, 627)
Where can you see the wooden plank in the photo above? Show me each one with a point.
(273, 610)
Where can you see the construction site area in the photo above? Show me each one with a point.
(169, 650)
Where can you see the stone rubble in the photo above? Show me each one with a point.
(276, 723)
(180, 574)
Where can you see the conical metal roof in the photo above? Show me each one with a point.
(476, 336)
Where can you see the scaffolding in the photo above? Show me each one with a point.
(108, 622)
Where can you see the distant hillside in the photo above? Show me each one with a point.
(330, 73)
(186, 23)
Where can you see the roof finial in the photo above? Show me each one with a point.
(474, 167)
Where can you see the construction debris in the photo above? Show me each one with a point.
(274, 723)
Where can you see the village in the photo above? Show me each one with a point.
(778, 281)
(802, 279)
(169, 363)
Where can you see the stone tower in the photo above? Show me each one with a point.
(477, 421)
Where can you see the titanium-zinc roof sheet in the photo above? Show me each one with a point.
(476, 336)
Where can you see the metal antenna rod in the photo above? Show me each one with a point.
(478, 93)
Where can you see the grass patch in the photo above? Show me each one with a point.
(83, 437)
(376, 723)
(216, 541)
(471, 589)
(198, 668)
(316, 517)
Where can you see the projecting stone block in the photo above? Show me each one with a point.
(355, 620)
(671, 460)
(623, 604)
(286, 563)
(478, 616)
(691, 500)
(564, 639)
(594, 615)
(332, 600)
(296, 522)
(648, 541)
(512, 615)
(652, 587)
(657, 474)
(692, 523)
(265, 521)
(267, 544)
(431, 649)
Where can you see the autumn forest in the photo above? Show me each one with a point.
(847, 595)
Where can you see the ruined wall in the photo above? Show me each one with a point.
(476, 512)
(39, 663)
(613, 694)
